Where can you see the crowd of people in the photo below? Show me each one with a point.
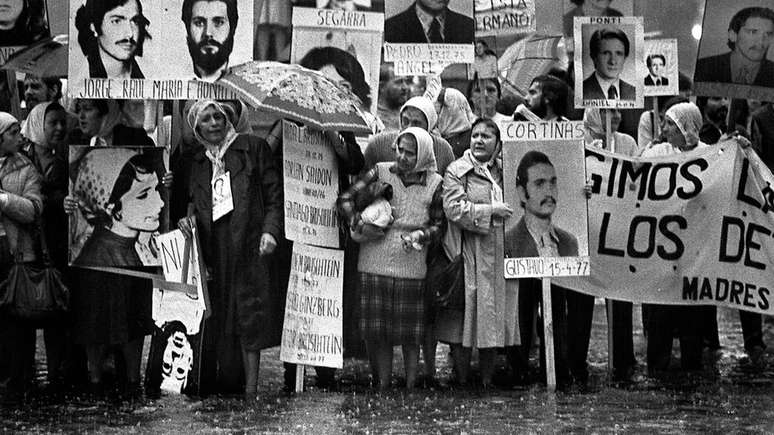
(441, 157)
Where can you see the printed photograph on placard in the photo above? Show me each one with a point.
(343, 45)
(121, 204)
(608, 70)
(156, 41)
(543, 182)
(662, 68)
(429, 21)
(735, 59)
(593, 8)
(23, 22)
(346, 5)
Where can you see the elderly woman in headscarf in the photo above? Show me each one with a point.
(455, 118)
(236, 246)
(392, 262)
(682, 123)
(20, 204)
(46, 129)
(474, 205)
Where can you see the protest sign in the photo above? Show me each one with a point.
(662, 68)
(140, 53)
(504, 17)
(688, 229)
(312, 331)
(344, 45)
(608, 66)
(173, 361)
(730, 31)
(24, 23)
(572, 9)
(311, 183)
(543, 179)
(121, 206)
(416, 51)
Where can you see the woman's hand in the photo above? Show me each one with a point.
(186, 226)
(338, 143)
(366, 232)
(70, 204)
(168, 179)
(268, 244)
(501, 209)
(412, 240)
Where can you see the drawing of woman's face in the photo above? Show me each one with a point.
(141, 205)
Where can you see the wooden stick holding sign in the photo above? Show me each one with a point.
(548, 335)
(13, 91)
(656, 120)
(610, 141)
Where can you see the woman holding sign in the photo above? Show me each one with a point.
(392, 262)
(239, 227)
(473, 202)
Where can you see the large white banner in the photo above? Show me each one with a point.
(690, 229)
(312, 331)
(311, 182)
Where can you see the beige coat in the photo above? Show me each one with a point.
(22, 182)
(491, 314)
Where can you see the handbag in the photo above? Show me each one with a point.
(446, 274)
(34, 290)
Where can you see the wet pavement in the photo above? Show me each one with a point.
(730, 395)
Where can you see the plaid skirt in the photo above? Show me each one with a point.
(392, 309)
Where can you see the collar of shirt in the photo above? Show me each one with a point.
(410, 181)
(654, 78)
(605, 84)
(427, 20)
(743, 71)
(214, 76)
(537, 236)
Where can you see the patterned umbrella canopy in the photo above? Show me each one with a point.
(46, 58)
(297, 93)
(527, 59)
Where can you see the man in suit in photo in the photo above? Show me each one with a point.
(429, 21)
(656, 63)
(536, 236)
(609, 49)
(750, 34)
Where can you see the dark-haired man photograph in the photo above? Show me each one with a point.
(608, 48)
(210, 26)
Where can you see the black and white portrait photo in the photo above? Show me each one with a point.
(120, 203)
(606, 63)
(429, 21)
(735, 47)
(662, 72)
(22, 22)
(210, 27)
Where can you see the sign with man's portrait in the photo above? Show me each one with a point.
(343, 45)
(121, 203)
(735, 59)
(544, 174)
(662, 72)
(422, 37)
(160, 49)
(608, 70)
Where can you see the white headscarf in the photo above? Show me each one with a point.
(688, 119)
(34, 128)
(425, 106)
(425, 154)
(455, 114)
(214, 151)
(6, 121)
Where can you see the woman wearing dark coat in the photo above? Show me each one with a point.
(236, 248)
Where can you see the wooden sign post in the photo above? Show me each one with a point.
(548, 335)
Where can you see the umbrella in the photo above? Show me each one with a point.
(296, 93)
(527, 59)
(46, 58)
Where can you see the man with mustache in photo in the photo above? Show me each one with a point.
(111, 33)
(536, 236)
(210, 25)
(750, 34)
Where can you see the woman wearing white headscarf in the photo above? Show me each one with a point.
(455, 118)
(682, 123)
(236, 247)
(392, 262)
(474, 204)
(20, 203)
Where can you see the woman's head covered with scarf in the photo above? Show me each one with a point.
(687, 117)
(425, 157)
(454, 113)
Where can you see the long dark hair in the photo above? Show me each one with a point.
(346, 65)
